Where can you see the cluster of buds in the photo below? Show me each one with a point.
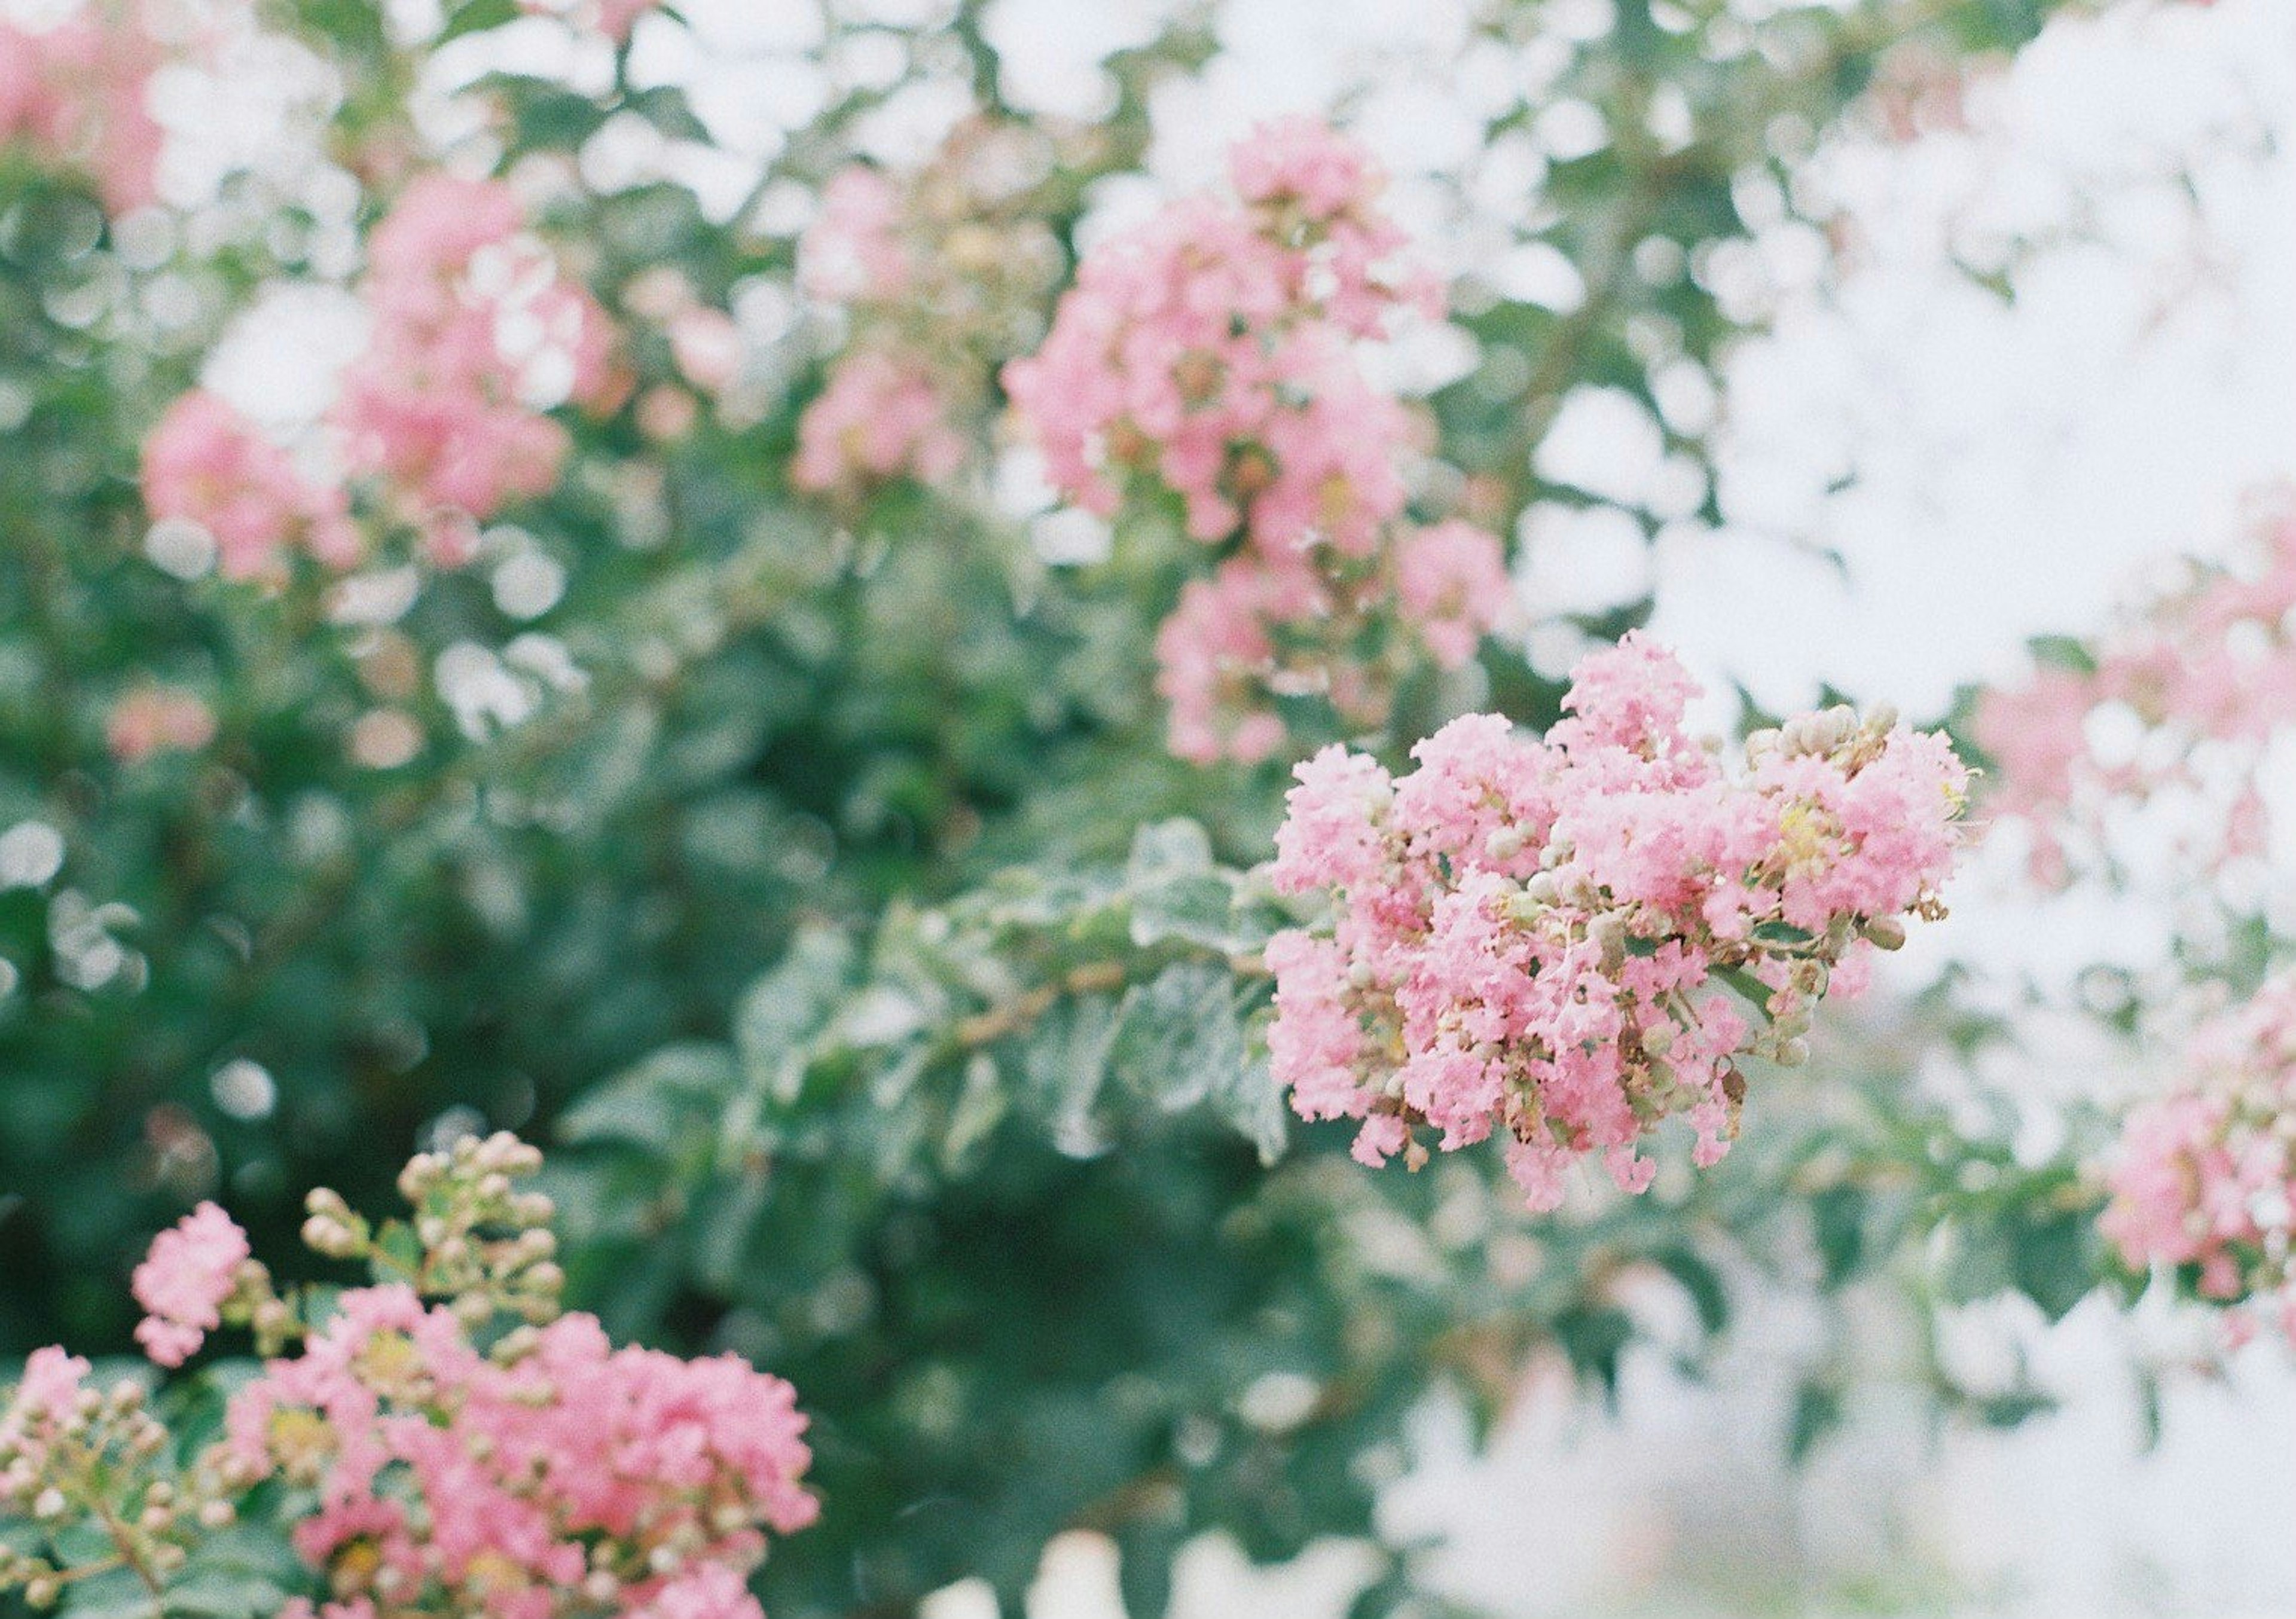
(87, 1466)
(444, 1443)
(1565, 942)
(480, 1242)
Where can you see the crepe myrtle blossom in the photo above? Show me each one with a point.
(2172, 710)
(934, 276)
(78, 93)
(1213, 350)
(478, 334)
(878, 418)
(1564, 941)
(441, 1443)
(205, 464)
(1215, 353)
(2204, 1180)
(185, 1281)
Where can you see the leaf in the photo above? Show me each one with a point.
(784, 1011)
(1198, 910)
(1164, 849)
(476, 16)
(2063, 653)
(1838, 1215)
(1179, 1039)
(659, 1104)
(1065, 1060)
(1817, 1412)
(1700, 1280)
(1254, 1106)
(2055, 1261)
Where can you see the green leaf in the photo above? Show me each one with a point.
(777, 1019)
(1165, 849)
(1179, 1039)
(1817, 1412)
(1197, 910)
(1065, 1060)
(1700, 1280)
(1838, 1215)
(657, 1105)
(476, 16)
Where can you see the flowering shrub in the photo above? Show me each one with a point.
(1213, 352)
(2204, 1182)
(1532, 937)
(448, 1442)
(207, 465)
(760, 797)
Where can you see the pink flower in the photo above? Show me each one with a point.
(478, 334)
(79, 93)
(488, 1479)
(877, 418)
(2205, 1175)
(853, 251)
(153, 720)
(710, 1591)
(612, 18)
(2203, 676)
(1451, 584)
(1528, 938)
(1216, 353)
(184, 1281)
(205, 464)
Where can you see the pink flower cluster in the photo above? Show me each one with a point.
(446, 1442)
(1216, 353)
(184, 1280)
(38, 1417)
(934, 273)
(477, 333)
(2199, 682)
(2205, 1178)
(572, 1478)
(879, 418)
(205, 464)
(1532, 938)
(78, 94)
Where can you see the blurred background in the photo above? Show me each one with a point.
(2000, 344)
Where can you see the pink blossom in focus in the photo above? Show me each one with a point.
(486, 1478)
(1529, 938)
(183, 1280)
